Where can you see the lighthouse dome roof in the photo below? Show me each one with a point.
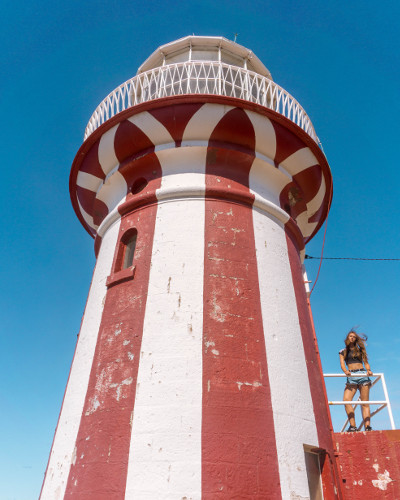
(205, 48)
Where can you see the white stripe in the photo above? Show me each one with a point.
(64, 442)
(299, 161)
(182, 168)
(107, 157)
(167, 145)
(203, 142)
(165, 449)
(315, 204)
(88, 181)
(113, 191)
(150, 126)
(112, 217)
(265, 134)
(306, 228)
(203, 122)
(87, 218)
(293, 413)
(277, 180)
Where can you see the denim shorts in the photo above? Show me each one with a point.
(358, 380)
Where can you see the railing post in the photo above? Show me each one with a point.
(279, 100)
(383, 404)
(219, 77)
(388, 402)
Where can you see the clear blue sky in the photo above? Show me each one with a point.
(60, 59)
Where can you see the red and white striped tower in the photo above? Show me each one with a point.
(196, 373)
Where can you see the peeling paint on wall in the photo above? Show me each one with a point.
(382, 481)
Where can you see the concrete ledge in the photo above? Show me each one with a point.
(369, 463)
(120, 276)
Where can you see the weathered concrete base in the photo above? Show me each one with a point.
(370, 464)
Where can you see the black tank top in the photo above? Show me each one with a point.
(350, 360)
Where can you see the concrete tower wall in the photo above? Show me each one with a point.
(196, 374)
(63, 452)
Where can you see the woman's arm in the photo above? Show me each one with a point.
(343, 365)
(368, 368)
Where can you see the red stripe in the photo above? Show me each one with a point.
(309, 180)
(287, 142)
(239, 457)
(235, 129)
(91, 204)
(292, 229)
(102, 446)
(130, 140)
(86, 198)
(176, 118)
(65, 392)
(367, 457)
(321, 411)
(97, 245)
(304, 187)
(90, 163)
(100, 211)
(318, 215)
(291, 199)
(140, 168)
(294, 196)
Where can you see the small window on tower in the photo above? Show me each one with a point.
(129, 251)
(123, 268)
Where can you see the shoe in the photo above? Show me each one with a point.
(352, 429)
(368, 428)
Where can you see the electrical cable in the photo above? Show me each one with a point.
(323, 241)
(346, 258)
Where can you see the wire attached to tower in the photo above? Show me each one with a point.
(323, 241)
(321, 258)
(349, 258)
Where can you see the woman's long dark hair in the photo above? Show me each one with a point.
(358, 350)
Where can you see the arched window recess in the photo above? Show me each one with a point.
(129, 245)
(123, 268)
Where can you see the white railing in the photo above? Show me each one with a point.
(382, 404)
(201, 77)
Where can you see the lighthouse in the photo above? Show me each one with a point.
(196, 373)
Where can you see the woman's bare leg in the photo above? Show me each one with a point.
(348, 396)
(364, 395)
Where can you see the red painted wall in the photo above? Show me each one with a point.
(369, 464)
(239, 456)
(100, 465)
